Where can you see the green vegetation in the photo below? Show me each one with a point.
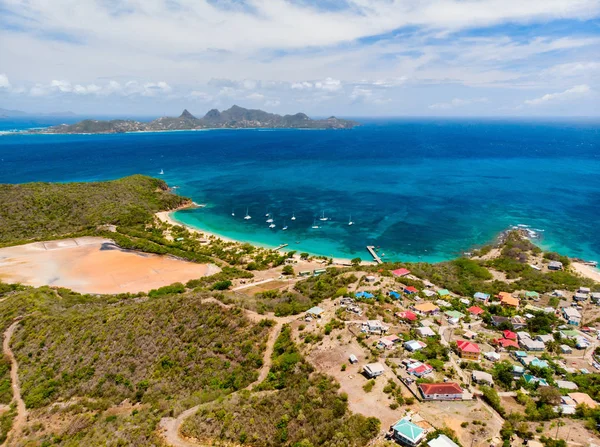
(5, 387)
(38, 211)
(6, 421)
(306, 411)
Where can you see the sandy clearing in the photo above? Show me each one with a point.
(94, 265)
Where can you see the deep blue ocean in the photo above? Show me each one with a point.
(421, 189)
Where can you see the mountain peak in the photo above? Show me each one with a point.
(187, 115)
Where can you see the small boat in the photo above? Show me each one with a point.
(161, 172)
(294, 216)
(272, 225)
(232, 212)
(314, 225)
(284, 228)
(350, 220)
(247, 216)
(323, 218)
(270, 219)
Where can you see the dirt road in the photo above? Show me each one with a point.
(21, 417)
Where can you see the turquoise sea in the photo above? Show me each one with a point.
(421, 189)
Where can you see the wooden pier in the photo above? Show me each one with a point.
(377, 259)
(281, 246)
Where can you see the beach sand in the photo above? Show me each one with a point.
(94, 265)
(587, 271)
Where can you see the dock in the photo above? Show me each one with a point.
(371, 249)
(281, 246)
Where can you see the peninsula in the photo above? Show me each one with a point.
(233, 118)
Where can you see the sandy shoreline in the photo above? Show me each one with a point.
(167, 217)
(586, 271)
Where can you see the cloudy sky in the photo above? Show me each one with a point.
(323, 57)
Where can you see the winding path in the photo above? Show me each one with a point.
(21, 417)
(169, 427)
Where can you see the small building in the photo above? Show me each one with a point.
(454, 314)
(483, 297)
(566, 349)
(374, 327)
(443, 303)
(419, 369)
(518, 322)
(583, 398)
(506, 299)
(572, 316)
(315, 312)
(353, 359)
(426, 308)
(442, 441)
(370, 278)
(394, 294)
(584, 290)
(364, 295)
(555, 265)
(568, 333)
(468, 349)
(475, 311)
(470, 335)
(406, 433)
(373, 370)
(441, 391)
(407, 315)
(425, 331)
(482, 377)
(595, 296)
(566, 385)
(531, 345)
(410, 290)
(509, 334)
(506, 343)
(384, 343)
(545, 338)
(414, 345)
(532, 295)
(492, 356)
(400, 272)
(518, 370)
(498, 320)
(318, 272)
(533, 379)
(428, 293)
(443, 292)
(579, 297)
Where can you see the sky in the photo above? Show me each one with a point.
(322, 57)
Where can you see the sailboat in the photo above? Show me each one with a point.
(350, 220)
(161, 172)
(294, 215)
(232, 212)
(323, 218)
(270, 219)
(247, 216)
(285, 228)
(314, 225)
(272, 225)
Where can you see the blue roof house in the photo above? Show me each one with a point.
(407, 433)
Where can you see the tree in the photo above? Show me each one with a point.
(503, 373)
(287, 270)
(355, 262)
(304, 255)
(549, 395)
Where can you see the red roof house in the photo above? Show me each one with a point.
(509, 334)
(400, 272)
(468, 349)
(507, 343)
(407, 315)
(475, 310)
(411, 289)
(441, 391)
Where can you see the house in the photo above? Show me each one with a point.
(483, 297)
(584, 290)
(532, 295)
(595, 297)
(580, 297)
(441, 391)
(506, 299)
(518, 370)
(364, 295)
(468, 349)
(506, 343)
(519, 355)
(442, 441)
(373, 370)
(400, 272)
(532, 379)
(539, 363)
(314, 312)
(566, 385)
(465, 301)
(475, 311)
(374, 327)
(545, 338)
(443, 292)
(426, 308)
(482, 377)
(531, 345)
(414, 345)
(454, 314)
(353, 359)
(497, 320)
(469, 334)
(370, 278)
(419, 369)
(492, 356)
(443, 303)
(428, 293)
(384, 343)
(509, 334)
(407, 315)
(406, 433)
(518, 322)
(583, 398)
(555, 265)
(569, 333)
(410, 290)
(425, 331)
(566, 349)
(522, 334)
(572, 316)
(394, 294)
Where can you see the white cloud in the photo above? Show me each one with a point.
(4, 82)
(55, 86)
(568, 95)
(255, 96)
(302, 85)
(456, 102)
(200, 96)
(329, 85)
(361, 93)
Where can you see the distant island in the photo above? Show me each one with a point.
(233, 118)
(7, 113)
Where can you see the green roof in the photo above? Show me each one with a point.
(454, 314)
(408, 430)
(443, 292)
(570, 333)
(534, 294)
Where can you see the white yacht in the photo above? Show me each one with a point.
(350, 220)
(323, 218)
(247, 216)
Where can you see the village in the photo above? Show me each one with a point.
(425, 359)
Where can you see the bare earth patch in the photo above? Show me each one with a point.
(94, 265)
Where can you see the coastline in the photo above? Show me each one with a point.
(167, 217)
